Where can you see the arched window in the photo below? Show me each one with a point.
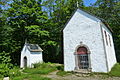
(82, 50)
(82, 58)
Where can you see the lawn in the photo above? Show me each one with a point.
(41, 69)
(33, 73)
(30, 77)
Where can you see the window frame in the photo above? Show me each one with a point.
(109, 40)
(106, 37)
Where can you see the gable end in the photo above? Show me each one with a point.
(89, 15)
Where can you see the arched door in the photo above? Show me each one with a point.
(82, 58)
(25, 61)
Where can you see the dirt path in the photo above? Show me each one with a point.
(53, 76)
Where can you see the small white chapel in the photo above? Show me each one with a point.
(30, 54)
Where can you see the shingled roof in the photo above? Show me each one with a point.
(33, 47)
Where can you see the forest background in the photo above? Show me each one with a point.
(41, 22)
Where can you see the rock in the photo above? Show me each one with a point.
(6, 78)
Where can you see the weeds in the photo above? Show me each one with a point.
(115, 71)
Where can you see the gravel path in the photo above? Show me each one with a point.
(77, 76)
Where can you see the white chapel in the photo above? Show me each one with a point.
(30, 54)
(88, 44)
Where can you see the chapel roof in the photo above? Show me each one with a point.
(101, 19)
(33, 47)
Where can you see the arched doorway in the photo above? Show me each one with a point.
(82, 58)
(25, 61)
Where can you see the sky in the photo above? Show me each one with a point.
(88, 2)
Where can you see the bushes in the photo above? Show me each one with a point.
(5, 57)
(15, 71)
(5, 65)
(115, 71)
(4, 70)
(60, 67)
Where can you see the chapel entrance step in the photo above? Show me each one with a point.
(84, 71)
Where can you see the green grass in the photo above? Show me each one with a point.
(63, 73)
(115, 71)
(43, 68)
(39, 70)
(33, 73)
(30, 77)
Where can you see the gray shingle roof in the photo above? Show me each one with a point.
(33, 47)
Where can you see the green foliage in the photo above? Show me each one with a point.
(5, 65)
(15, 72)
(115, 71)
(108, 10)
(41, 22)
(4, 70)
(40, 68)
(61, 68)
(27, 21)
(4, 57)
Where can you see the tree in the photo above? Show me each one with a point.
(28, 21)
(59, 12)
(109, 11)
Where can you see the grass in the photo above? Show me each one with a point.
(43, 68)
(34, 73)
(115, 71)
(63, 73)
(38, 70)
(30, 77)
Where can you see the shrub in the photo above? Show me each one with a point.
(60, 68)
(115, 71)
(4, 70)
(5, 65)
(5, 57)
(14, 72)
